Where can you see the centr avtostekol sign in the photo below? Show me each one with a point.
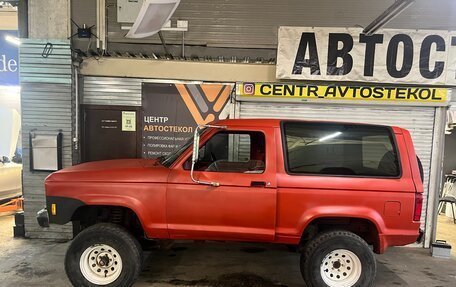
(423, 57)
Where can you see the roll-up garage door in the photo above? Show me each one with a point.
(418, 120)
(46, 103)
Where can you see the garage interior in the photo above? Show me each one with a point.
(84, 91)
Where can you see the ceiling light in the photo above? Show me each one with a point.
(13, 40)
(151, 18)
(389, 14)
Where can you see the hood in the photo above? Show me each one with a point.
(119, 170)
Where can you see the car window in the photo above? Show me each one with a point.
(340, 149)
(238, 152)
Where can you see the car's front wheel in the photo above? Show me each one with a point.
(338, 259)
(103, 255)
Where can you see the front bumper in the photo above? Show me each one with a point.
(42, 217)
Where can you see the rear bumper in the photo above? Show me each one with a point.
(42, 217)
(401, 239)
(420, 236)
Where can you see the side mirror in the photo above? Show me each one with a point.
(195, 155)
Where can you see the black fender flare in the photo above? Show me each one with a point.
(64, 208)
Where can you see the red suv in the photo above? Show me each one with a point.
(337, 191)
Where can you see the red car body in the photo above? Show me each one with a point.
(169, 205)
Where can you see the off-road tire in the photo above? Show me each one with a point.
(113, 235)
(315, 251)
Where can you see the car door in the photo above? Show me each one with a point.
(243, 207)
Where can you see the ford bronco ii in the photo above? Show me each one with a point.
(337, 191)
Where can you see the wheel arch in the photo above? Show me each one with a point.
(90, 214)
(364, 222)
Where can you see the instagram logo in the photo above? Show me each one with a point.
(249, 88)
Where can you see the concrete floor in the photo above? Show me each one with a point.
(40, 263)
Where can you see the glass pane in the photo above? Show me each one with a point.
(340, 149)
(242, 152)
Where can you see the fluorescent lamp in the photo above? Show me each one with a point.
(154, 14)
(330, 136)
(13, 40)
(388, 15)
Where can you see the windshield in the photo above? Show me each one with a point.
(169, 159)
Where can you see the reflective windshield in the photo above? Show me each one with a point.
(170, 158)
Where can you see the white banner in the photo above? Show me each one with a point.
(424, 57)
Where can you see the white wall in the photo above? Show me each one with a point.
(178, 70)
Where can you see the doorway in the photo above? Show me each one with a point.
(446, 221)
(110, 132)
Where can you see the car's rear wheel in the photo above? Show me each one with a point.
(103, 255)
(338, 259)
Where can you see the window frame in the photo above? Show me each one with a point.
(285, 152)
(232, 132)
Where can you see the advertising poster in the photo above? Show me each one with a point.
(422, 57)
(170, 113)
(9, 59)
(128, 121)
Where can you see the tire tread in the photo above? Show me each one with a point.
(316, 242)
(116, 230)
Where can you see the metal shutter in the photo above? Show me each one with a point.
(112, 91)
(418, 120)
(253, 23)
(46, 104)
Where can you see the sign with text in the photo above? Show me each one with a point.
(9, 60)
(170, 113)
(128, 121)
(424, 57)
(366, 94)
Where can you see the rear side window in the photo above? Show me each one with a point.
(340, 149)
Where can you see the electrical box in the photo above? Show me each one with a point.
(128, 10)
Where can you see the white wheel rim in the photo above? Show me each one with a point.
(340, 268)
(100, 264)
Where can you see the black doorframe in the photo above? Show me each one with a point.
(84, 107)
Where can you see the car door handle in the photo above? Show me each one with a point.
(258, 184)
